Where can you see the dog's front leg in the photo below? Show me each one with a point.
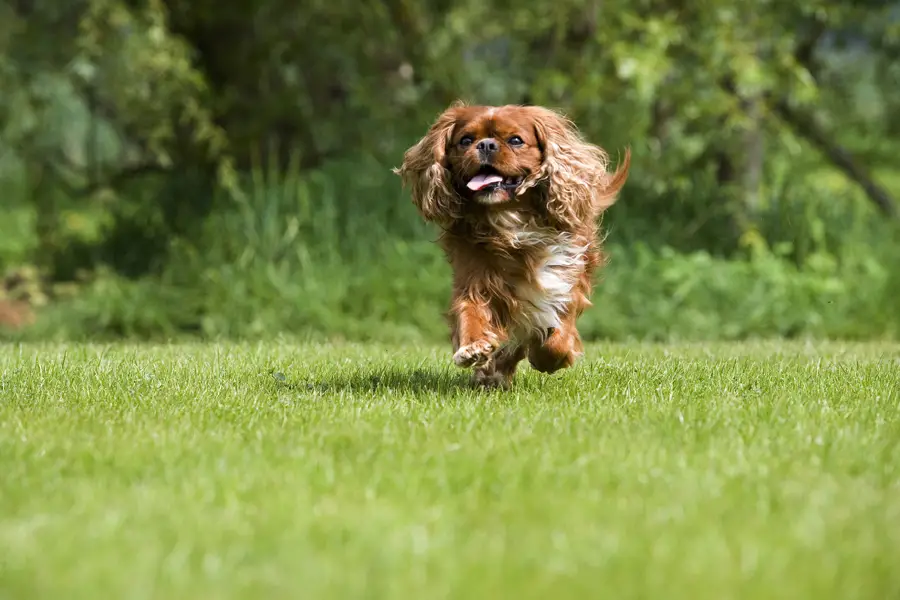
(560, 350)
(475, 333)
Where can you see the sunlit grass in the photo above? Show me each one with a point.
(364, 471)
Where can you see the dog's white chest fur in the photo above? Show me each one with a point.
(545, 295)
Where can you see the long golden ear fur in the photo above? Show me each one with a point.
(424, 172)
(580, 188)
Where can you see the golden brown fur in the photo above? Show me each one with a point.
(518, 194)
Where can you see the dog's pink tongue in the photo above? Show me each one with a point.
(482, 181)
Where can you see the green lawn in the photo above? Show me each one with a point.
(347, 471)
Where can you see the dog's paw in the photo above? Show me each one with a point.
(490, 379)
(476, 354)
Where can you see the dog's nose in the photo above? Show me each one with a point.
(487, 147)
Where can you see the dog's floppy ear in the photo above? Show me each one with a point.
(425, 172)
(579, 187)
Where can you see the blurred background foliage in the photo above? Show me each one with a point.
(175, 167)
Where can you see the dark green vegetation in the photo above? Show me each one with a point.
(174, 167)
(345, 471)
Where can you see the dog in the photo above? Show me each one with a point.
(518, 194)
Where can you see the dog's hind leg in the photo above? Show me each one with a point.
(499, 372)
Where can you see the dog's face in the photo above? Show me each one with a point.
(490, 155)
(491, 152)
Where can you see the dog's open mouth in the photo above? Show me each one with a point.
(488, 180)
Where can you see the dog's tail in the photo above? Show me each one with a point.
(615, 181)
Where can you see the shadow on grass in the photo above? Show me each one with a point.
(381, 380)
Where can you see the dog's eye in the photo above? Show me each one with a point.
(515, 141)
(466, 141)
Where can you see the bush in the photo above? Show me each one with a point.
(311, 255)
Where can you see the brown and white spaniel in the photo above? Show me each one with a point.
(518, 194)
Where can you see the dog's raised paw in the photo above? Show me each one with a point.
(476, 354)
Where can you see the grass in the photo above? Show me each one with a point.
(759, 470)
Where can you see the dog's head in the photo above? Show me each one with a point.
(490, 156)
